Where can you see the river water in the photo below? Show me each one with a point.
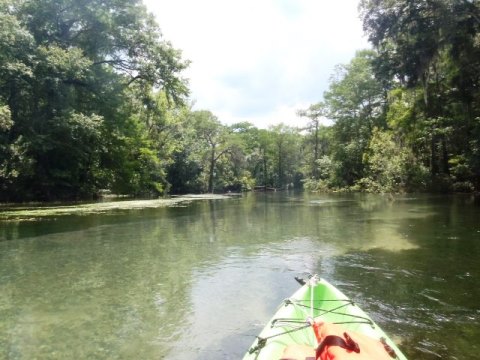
(199, 281)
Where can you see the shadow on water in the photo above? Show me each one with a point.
(426, 296)
(201, 281)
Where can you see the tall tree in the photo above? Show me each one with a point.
(258, 148)
(356, 103)
(215, 139)
(314, 113)
(433, 44)
(68, 69)
(286, 143)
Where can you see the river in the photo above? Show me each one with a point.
(199, 280)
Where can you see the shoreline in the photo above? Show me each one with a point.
(33, 212)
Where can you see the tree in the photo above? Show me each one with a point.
(258, 150)
(116, 35)
(315, 112)
(70, 74)
(286, 162)
(391, 168)
(214, 137)
(433, 46)
(356, 103)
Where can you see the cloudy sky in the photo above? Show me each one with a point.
(260, 60)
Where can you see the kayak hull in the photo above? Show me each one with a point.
(320, 301)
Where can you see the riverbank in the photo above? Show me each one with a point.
(32, 212)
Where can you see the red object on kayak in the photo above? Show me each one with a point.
(336, 343)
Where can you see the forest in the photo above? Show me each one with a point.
(93, 101)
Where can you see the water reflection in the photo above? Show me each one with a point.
(200, 281)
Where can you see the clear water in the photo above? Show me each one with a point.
(200, 281)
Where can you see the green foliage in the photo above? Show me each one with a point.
(356, 103)
(259, 153)
(401, 109)
(423, 134)
(461, 173)
(16, 45)
(325, 171)
(66, 157)
(316, 139)
(325, 167)
(221, 154)
(286, 143)
(391, 167)
(5, 118)
(431, 49)
(71, 76)
(92, 97)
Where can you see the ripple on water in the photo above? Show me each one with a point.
(431, 348)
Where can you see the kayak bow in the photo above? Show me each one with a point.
(316, 301)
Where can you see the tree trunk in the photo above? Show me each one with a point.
(315, 170)
(265, 175)
(280, 170)
(446, 168)
(211, 171)
(433, 159)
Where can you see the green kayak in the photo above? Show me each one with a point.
(316, 301)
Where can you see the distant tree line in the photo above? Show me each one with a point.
(92, 99)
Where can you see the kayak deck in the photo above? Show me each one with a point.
(317, 300)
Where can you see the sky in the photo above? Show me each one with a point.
(260, 60)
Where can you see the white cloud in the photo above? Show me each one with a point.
(260, 60)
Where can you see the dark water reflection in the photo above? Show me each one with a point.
(200, 281)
